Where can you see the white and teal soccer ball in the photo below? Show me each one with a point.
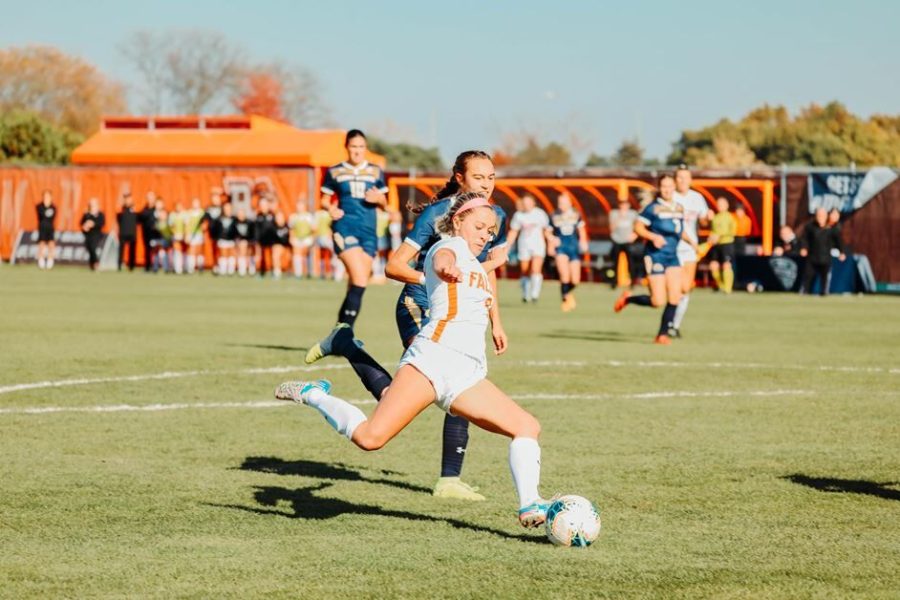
(572, 521)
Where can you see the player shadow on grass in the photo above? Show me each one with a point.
(270, 347)
(304, 504)
(320, 470)
(592, 336)
(854, 486)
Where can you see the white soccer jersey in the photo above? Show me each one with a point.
(458, 312)
(531, 226)
(694, 206)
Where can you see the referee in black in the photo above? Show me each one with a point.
(127, 220)
(815, 244)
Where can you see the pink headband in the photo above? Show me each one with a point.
(473, 203)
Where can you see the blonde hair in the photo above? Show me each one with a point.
(445, 223)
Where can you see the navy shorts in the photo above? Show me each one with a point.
(354, 234)
(412, 311)
(570, 250)
(658, 262)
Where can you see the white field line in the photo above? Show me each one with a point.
(112, 408)
(18, 387)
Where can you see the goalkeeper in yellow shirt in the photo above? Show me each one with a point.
(721, 254)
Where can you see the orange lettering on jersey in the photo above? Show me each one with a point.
(477, 280)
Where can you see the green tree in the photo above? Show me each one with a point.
(406, 156)
(827, 135)
(597, 160)
(629, 154)
(27, 138)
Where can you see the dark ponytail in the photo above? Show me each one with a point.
(452, 186)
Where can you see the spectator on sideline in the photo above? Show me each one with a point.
(624, 239)
(147, 219)
(243, 235)
(788, 243)
(211, 217)
(127, 221)
(225, 241)
(265, 235)
(721, 254)
(162, 238)
(816, 244)
(743, 229)
(324, 248)
(92, 223)
(46, 218)
(281, 241)
(301, 236)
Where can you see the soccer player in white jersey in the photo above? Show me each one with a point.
(695, 211)
(530, 227)
(446, 363)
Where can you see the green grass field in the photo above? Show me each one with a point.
(757, 457)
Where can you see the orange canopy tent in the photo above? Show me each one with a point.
(236, 141)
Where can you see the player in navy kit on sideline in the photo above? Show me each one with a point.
(46, 218)
(661, 224)
(570, 242)
(473, 171)
(352, 191)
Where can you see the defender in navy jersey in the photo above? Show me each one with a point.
(661, 223)
(570, 241)
(473, 171)
(352, 191)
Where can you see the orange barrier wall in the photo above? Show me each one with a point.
(72, 187)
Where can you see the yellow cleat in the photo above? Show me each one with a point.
(453, 487)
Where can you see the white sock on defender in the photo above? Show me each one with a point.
(340, 414)
(536, 281)
(298, 266)
(680, 311)
(525, 464)
(525, 282)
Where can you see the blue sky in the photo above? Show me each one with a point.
(464, 74)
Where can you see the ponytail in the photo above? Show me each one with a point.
(451, 188)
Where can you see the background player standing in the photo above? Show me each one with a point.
(46, 218)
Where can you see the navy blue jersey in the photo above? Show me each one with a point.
(350, 185)
(565, 226)
(424, 234)
(665, 220)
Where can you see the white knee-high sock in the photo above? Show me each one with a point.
(232, 265)
(536, 280)
(525, 464)
(340, 414)
(681, 310)
(298, 266)
(525, 282)
(191, 263)
(223, 265)
(50, 263)
(178, 258)
(242, 265)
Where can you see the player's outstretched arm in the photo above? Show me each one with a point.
(398, 267)
(501, 342)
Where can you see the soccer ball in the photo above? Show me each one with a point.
(572, 521)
